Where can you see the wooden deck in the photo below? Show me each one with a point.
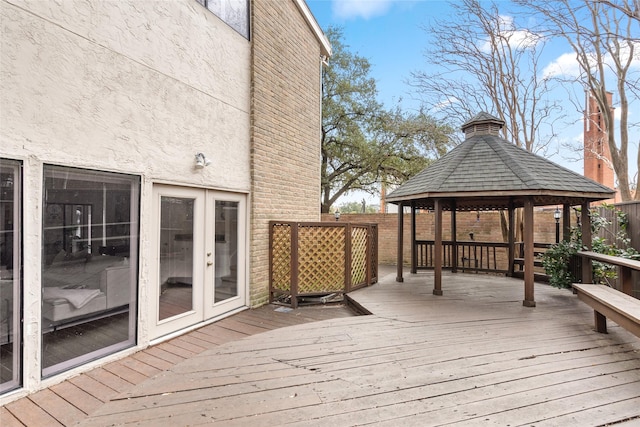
(474, 356)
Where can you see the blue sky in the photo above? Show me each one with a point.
(391, 35)
(386, 32)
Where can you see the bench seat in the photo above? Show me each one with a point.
(537, 262)
(608, 302)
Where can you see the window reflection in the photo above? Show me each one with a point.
(226, 247)
(176, 256)
(10, 267)
(234, 13)
(90, 239)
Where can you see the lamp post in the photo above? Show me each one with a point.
(556, 215)
(337, 215)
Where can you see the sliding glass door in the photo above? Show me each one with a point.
(89, 268)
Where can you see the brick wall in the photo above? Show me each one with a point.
(285, 131)
(485, 227)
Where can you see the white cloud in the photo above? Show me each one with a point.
(442, 105)
(509, 35)
(567, 64)
(347, 9)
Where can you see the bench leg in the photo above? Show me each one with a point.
(601, 322)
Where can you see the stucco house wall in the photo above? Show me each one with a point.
(139, 88)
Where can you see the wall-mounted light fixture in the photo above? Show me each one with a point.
(202, 161)
(337, 215)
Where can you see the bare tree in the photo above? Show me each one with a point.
(631, 8)
(602, 38)
(484, 62)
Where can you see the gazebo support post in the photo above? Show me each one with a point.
(437, 251)
(399, 260)
(454, 240)
(414, 254)
(512, 237)
(585, 220)
(529, 300)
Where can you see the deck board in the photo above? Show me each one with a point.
(472, 356)
(31, 414)
(93, 387)
(58, 408)
(77, 396)
(109, 379)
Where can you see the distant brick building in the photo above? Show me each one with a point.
(597, 157)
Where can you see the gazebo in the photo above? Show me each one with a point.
(487, 172)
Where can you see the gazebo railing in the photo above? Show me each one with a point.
(470, 256)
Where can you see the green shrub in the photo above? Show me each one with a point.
(556, 259)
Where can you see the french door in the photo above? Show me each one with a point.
(199, 244)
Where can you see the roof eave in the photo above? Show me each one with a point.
(325, 46)
(509, 193)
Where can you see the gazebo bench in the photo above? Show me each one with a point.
(608, 302)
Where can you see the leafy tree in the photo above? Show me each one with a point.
(357, 207)
(365, 145)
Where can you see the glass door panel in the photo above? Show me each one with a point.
(10, 266)
(226, 235)
(226, 250)
(179, 245)
(176, 256)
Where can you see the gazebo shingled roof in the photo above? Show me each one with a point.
(488, 172)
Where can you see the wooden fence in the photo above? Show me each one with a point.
(312, 261)
(632, 210)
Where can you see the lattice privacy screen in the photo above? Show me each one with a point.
(314, 258)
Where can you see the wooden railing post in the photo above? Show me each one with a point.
(399, 255)
(294, 265)
(414, 256)
(587, 266)
(348, 235)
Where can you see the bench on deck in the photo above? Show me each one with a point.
(618, 306)
(607, 302)
(625, 265)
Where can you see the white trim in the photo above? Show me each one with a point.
(325, 46)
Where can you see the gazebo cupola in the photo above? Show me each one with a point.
(482, 124)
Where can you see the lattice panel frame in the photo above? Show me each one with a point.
(359, 256)
(281, 257)
(373, 252)
(311, 259)
(321, 262)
